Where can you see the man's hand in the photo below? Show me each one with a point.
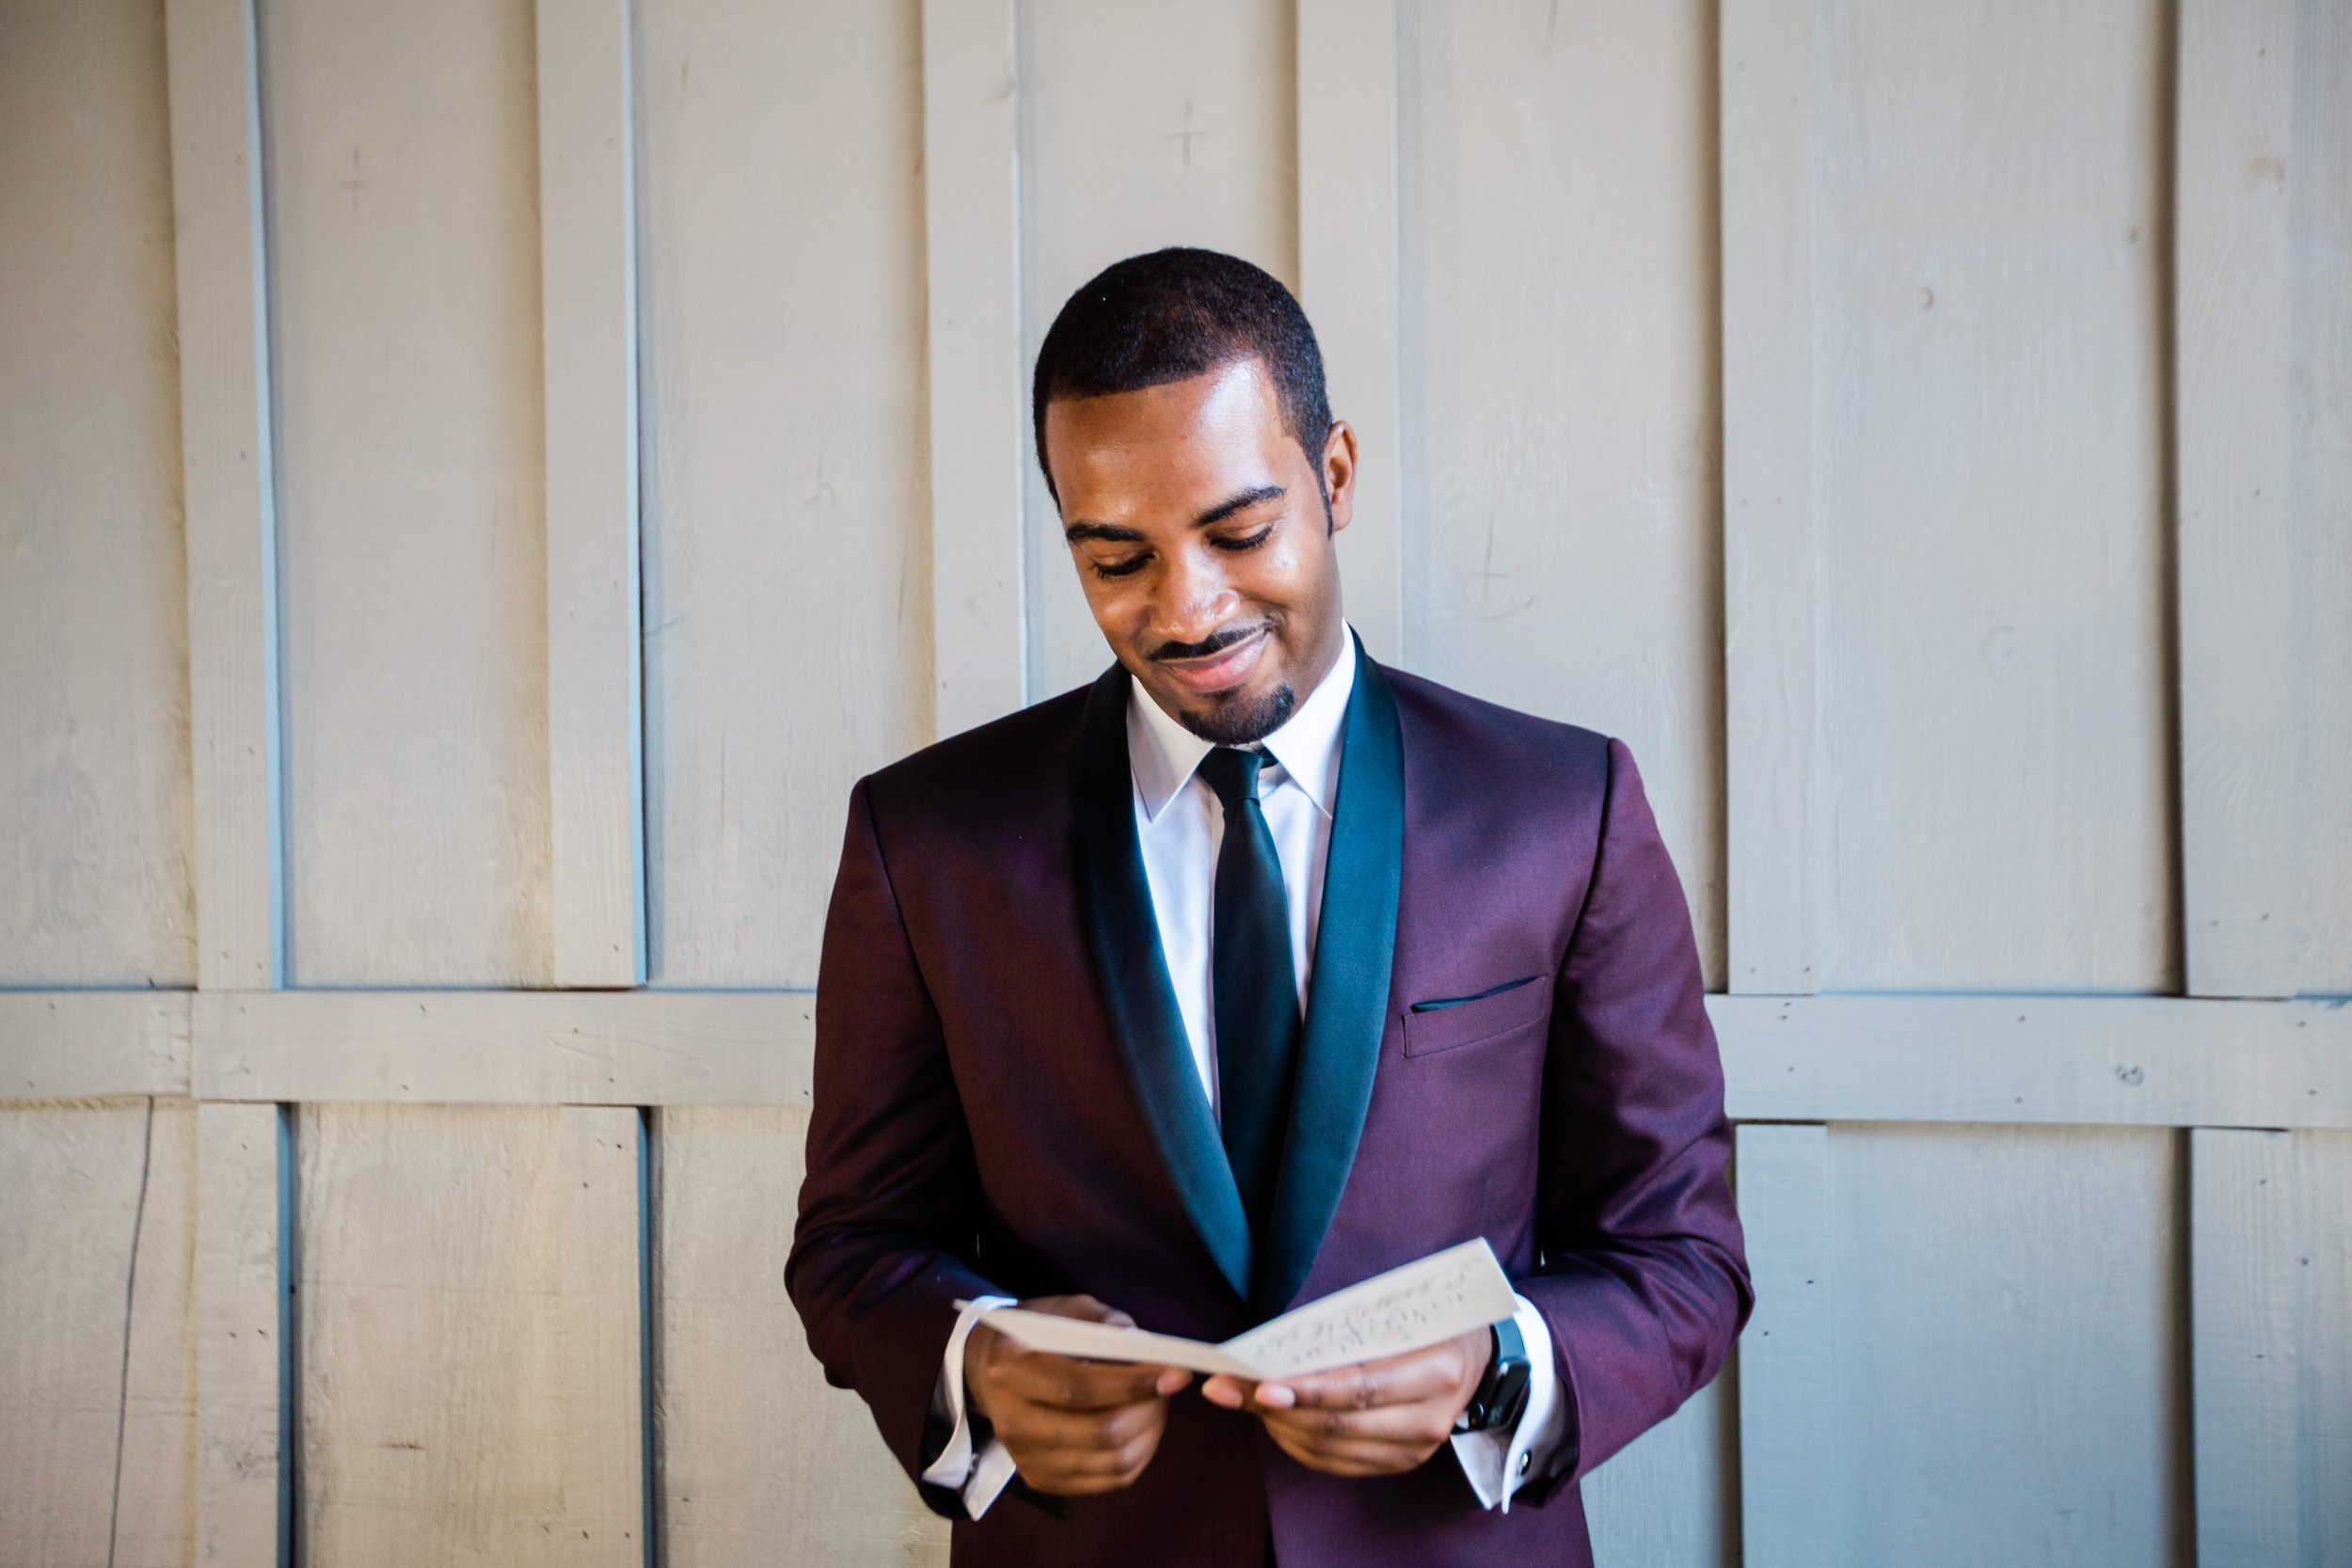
(1378, 1419)
(1072, 1427)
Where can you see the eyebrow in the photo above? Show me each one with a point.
(1113, 533)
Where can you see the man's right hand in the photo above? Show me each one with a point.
(1073, 1427)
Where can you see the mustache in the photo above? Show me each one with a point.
(1215, 642)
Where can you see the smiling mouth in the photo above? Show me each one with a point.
(1220, 670)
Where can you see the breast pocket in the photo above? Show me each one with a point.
(1450, 1022)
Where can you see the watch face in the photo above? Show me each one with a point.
(1510, 1401)
(1501, 1397)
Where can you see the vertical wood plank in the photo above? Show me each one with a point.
(229, 489)
(1191, 139)
(1773, 755)
(1670, 1498)
(787, 512)
(1348, 280)
(2323, 1208)
(95, 865)
(407, 370)
(979, 420)
(761, 1461)
(603, 1327)
(2245, 674)
(595, 704)
(240, 1466)
(75, 1179)
(433, 1407)
(2320, 231)
(2011, 1311)
(2245, 1346)
(1789, 1496)
(1562, 378)
(1990, 546)
(154, 1523)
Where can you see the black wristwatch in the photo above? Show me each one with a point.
(1501, 1396)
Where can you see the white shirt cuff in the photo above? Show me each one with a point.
(979, 1476)
(1496, 1462)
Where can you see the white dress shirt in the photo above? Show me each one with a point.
(1180, 824)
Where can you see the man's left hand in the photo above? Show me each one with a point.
(1376, 1418)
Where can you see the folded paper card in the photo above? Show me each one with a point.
(1421, 1303)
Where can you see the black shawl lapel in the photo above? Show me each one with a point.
(1347, 993)
(1125, 938)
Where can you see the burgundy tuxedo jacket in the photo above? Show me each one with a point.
(1505, 1038)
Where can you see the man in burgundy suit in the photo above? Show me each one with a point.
(1246, 971)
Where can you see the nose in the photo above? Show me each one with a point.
(1192, 597)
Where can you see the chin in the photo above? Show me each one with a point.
(1241, 716)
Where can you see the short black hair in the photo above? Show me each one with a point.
(1173, 314)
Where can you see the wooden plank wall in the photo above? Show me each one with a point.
(479, 482)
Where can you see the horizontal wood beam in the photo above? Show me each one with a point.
(2127, 1061)
(2122, 1061)
(83, 1044)
(507, 1047)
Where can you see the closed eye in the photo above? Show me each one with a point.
(1252, 542)
(1128, 567)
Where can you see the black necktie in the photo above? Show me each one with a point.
(1254, 986)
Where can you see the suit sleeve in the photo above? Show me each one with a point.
(1643, 1274)
(889, 1206)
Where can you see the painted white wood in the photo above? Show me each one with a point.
(2246, 1261)
(433, 1408)
(66, 1044)
(154, 1515)
(2324, 1271)
(91, 1306)
(2132, 1061)
(761, 1461)
(238, 1356)
(1348, 264)
(1190, 138)
(2008, 1383)
(1773, 765)
(603, 1332)
(588, 271)
(228, 489)
(2319, 175)
(1564, 558)
(1790, 1484)
(1670, 1498)
(781, 292)
(94, 862)
(1989, 446)
(978, 382)
(546, 1047)
(2244, 588)
(402, 148)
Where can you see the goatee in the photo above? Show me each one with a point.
(1236, 720)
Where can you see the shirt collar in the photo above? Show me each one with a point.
(1162, 753)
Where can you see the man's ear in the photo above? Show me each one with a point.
(1339, 473)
